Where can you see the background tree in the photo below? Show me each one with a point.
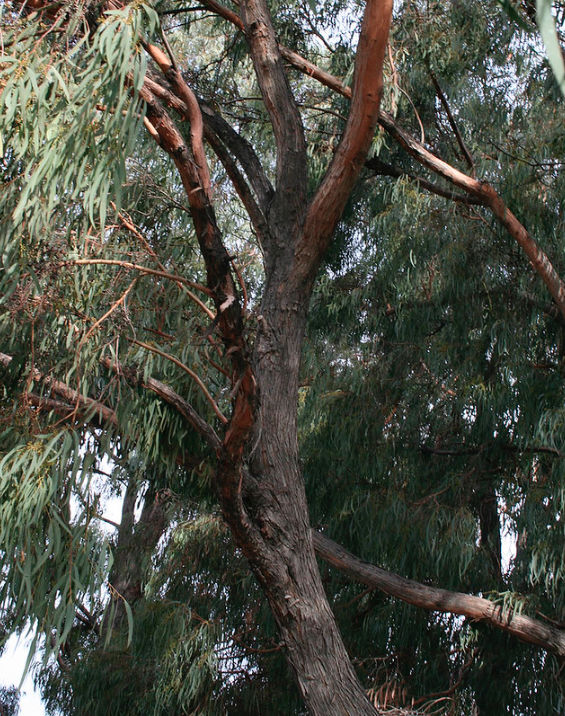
(155, 304)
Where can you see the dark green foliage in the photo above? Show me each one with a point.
(9, 701)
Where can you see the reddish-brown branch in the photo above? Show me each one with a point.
(193, 113)
(486, 193)
(187, 370)
(73, 397)
(335, 188)
(229, 316)
(219, 134)
(167, 394)
(440, 600)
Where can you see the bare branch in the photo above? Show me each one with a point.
(281, 106)
(193, 113)
(171, 397)
(335, 188)
(241, 186)
(229, 315)
(220, 135)
(186, 369)
(439, 600)
(152, 272)
(243, 151)
(452, 122)
(383, 169)
(73, 398)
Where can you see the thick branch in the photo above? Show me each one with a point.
(171, 397)
(332, 194)
(220, 135)
(440, 600)
(192, 114)
(281, 106)
(243, 151)
(74, 398)
(107, 415)
(216, 258)
(486, 193)
(241, 186)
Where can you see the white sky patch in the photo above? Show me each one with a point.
(12, 664)
(508, 538)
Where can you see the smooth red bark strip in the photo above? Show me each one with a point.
(329, 201)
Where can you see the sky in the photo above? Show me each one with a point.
(12, 663)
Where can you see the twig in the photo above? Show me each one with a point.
(108, 313)
(152, 272)
(452, 122)
(186, 369)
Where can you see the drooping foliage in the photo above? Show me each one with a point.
(431, 402)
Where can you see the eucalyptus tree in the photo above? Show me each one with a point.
(175, 181)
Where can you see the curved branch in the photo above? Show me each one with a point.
(150, 272)
(74, 399)
(487, 194)
(332, 194)
(107, 415)
(169, 396)
(241, 186)
(192, 114)
(243, 151)
(439, 600)
(220, 135)
(187, 370)
(382, 169)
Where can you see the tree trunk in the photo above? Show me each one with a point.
(280, 548)
(259, 481)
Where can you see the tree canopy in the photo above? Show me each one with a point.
(285, 279)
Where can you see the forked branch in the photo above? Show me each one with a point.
(482, 191)
(279, 102)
